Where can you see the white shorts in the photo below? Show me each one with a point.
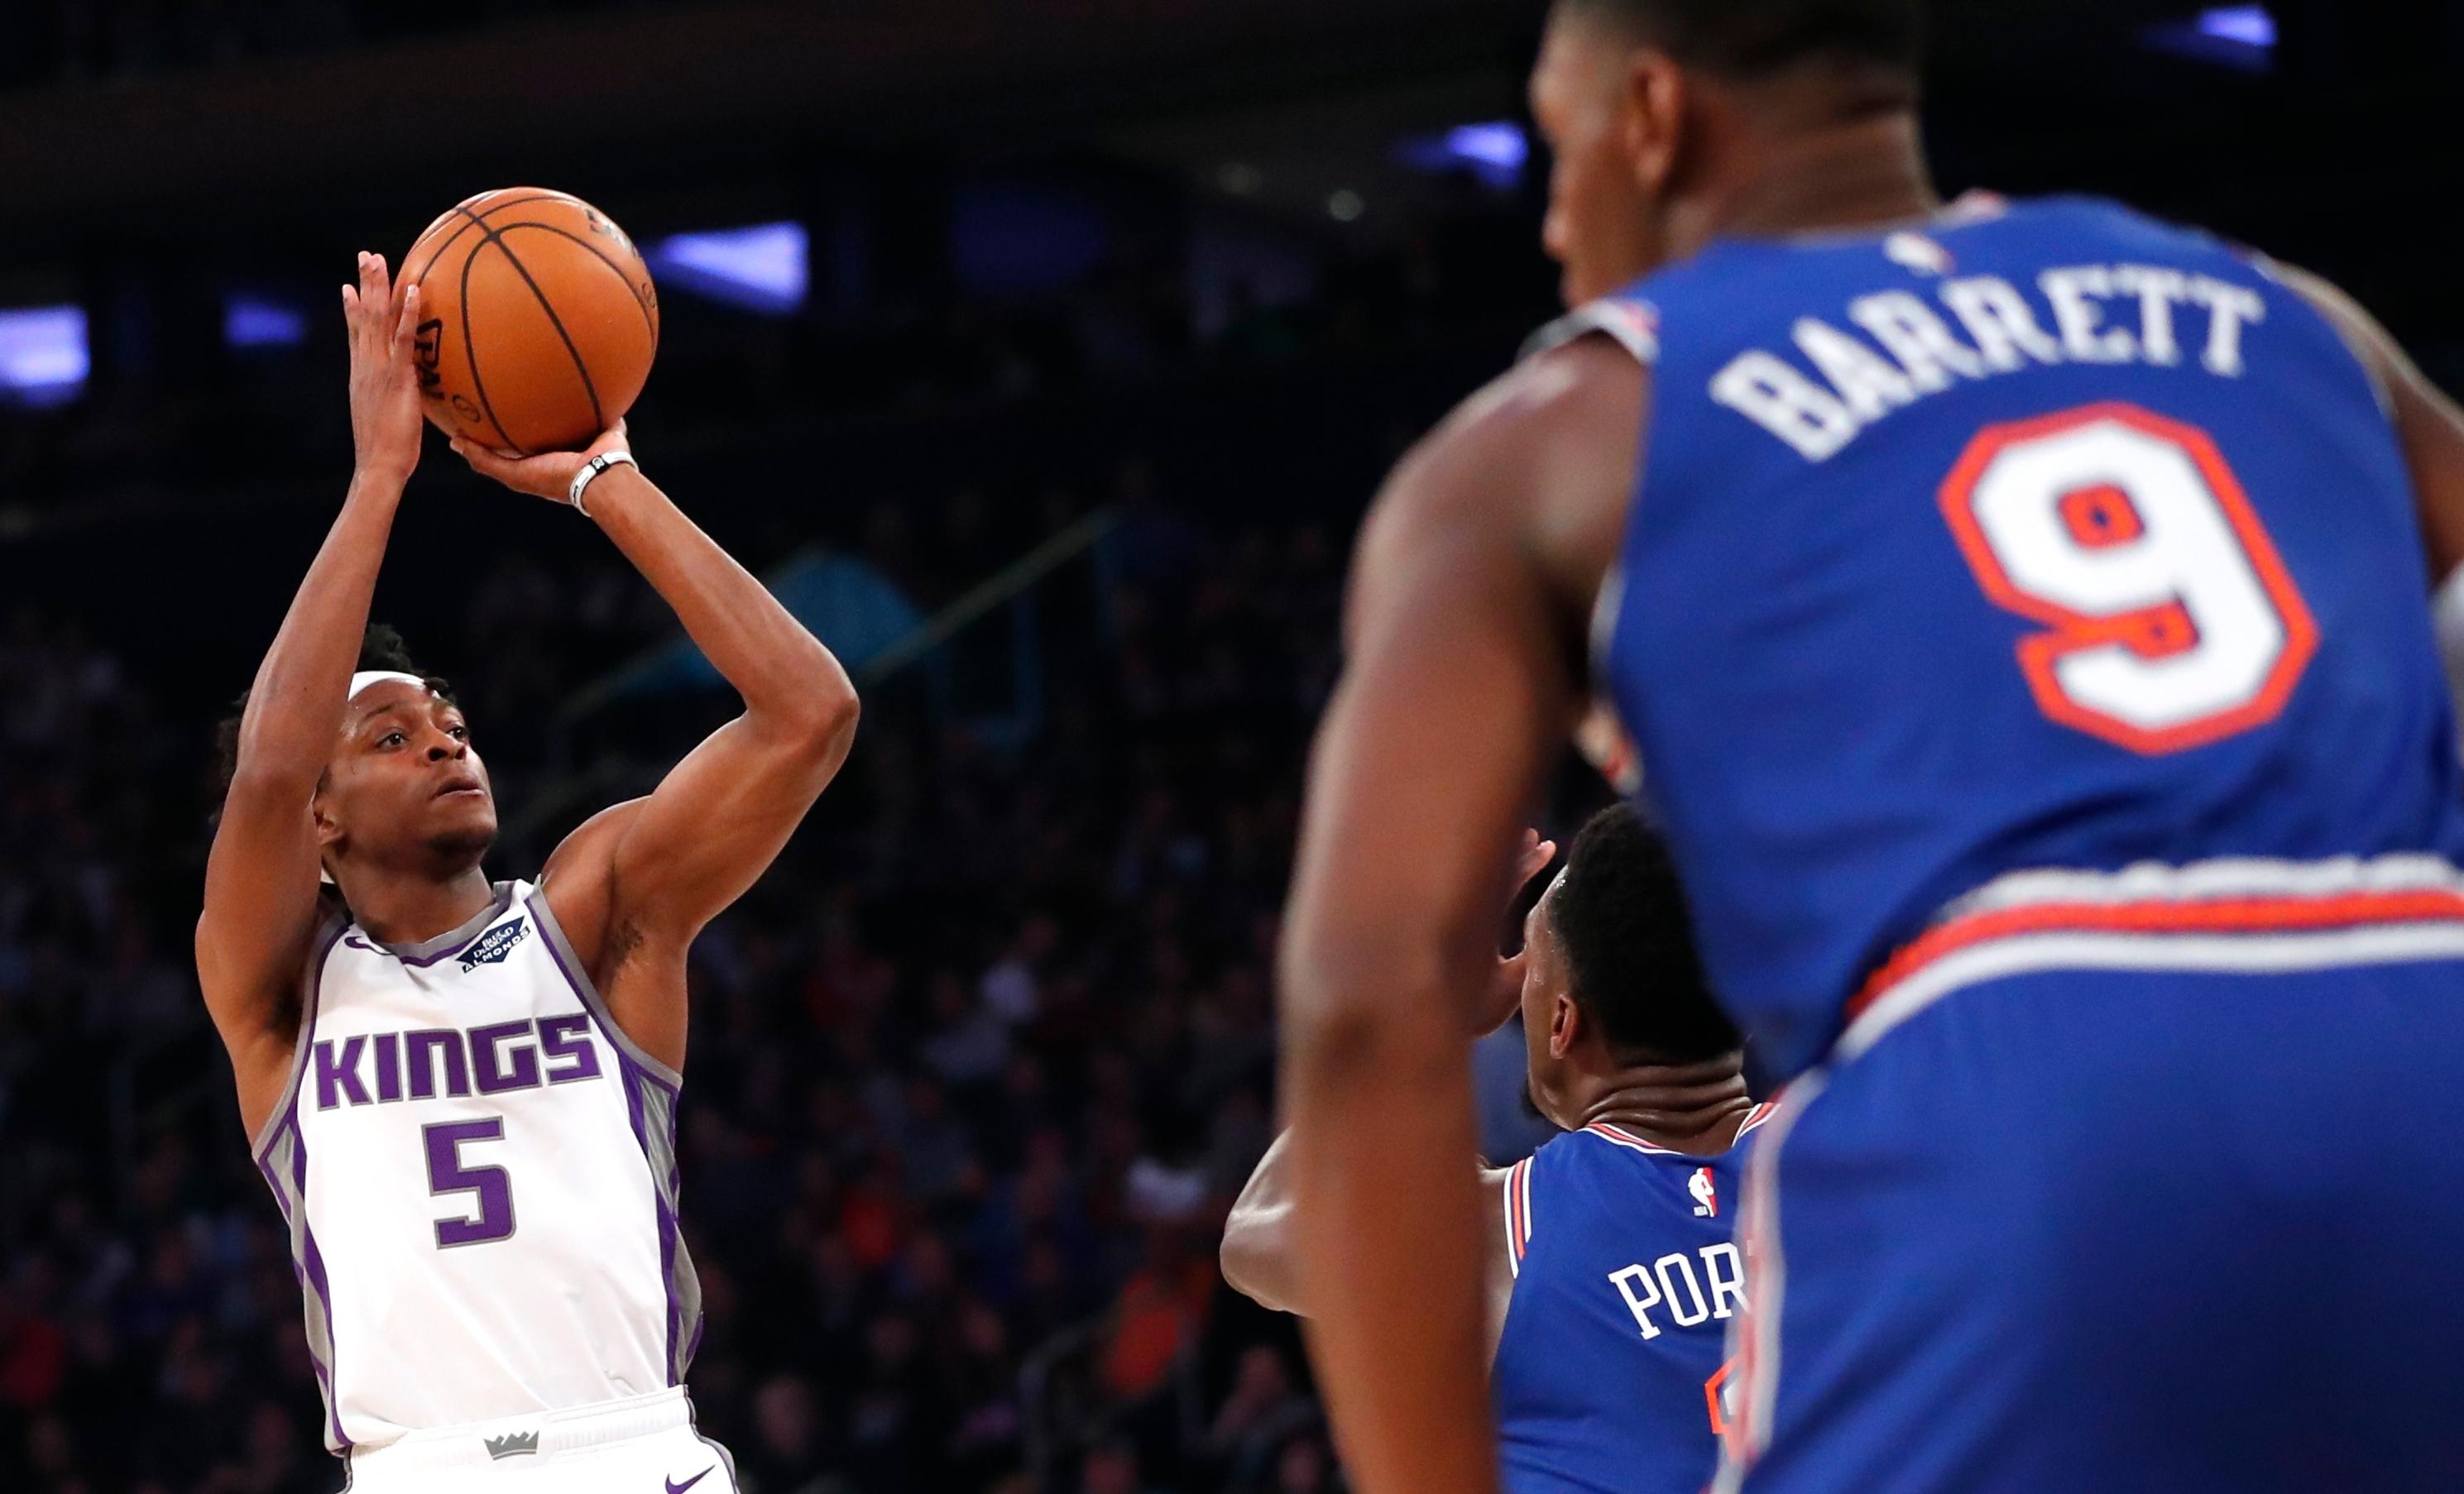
(646, 1445)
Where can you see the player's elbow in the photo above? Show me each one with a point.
(1253, 1263)
(835, 723)
(824, 720)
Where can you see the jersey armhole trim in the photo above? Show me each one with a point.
(561, 949)
(328, 934)
(1517, 1208)
(1632, 324)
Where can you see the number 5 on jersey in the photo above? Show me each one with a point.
(2173, 622)
(493, 1187)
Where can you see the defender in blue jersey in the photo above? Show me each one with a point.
(1612, 1273)
(2021, 613)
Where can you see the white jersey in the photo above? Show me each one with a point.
(479, 1173)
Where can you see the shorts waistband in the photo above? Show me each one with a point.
(2246, 916)
(532, 1439)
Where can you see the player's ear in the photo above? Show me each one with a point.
(320, 815)
(1651, 118)
(1565, 1025)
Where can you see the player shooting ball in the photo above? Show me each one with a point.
(462, 1090)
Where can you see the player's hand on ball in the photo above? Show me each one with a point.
(386, 422)
(547, 475)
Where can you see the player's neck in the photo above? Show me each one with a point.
(411, 912)
(1694, 1108)
(1860, 174)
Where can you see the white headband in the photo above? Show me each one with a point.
(360, 682)
(367, 677)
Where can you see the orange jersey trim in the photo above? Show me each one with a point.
(2254, 914)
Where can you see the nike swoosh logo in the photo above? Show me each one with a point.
(673, 1487)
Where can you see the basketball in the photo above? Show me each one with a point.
(538, 320)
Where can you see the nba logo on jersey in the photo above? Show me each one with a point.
(1707, 1193)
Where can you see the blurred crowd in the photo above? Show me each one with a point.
(974, 1072)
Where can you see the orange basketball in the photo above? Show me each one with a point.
(538, 320)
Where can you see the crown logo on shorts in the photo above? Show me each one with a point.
(513, 1445)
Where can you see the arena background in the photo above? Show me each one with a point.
(1043, 355)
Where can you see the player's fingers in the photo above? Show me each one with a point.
(484, 462)
(379, 281)
(406, 330)
(368, 303)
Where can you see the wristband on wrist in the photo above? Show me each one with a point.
(590, 474)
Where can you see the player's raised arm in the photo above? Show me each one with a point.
(646, 876)
(261, 875)
(1459, 691)
(1259, 1257)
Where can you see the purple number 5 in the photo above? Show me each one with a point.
(446, 1174)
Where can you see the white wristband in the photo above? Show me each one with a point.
(590, 474)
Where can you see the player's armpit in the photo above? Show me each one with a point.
(2428, 424)
(637, 881)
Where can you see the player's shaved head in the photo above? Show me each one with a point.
(1756, 38)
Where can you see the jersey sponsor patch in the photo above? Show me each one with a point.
(491, 947)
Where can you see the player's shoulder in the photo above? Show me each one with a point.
(1530, 466)
(1523, 488)
(1581, 387)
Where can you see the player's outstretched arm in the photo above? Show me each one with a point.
(639, 880)
(1260, 1262)
(1258, 1256)
(261, 875)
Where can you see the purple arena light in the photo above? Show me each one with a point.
(252, 321)
(43, 357)
(763, 268)
(2250, 25)
(1495, 151)
(2241, 36)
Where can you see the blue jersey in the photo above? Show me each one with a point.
(1609, 1376)
(2034, 536)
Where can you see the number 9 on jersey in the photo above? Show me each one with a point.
(2171, 621)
